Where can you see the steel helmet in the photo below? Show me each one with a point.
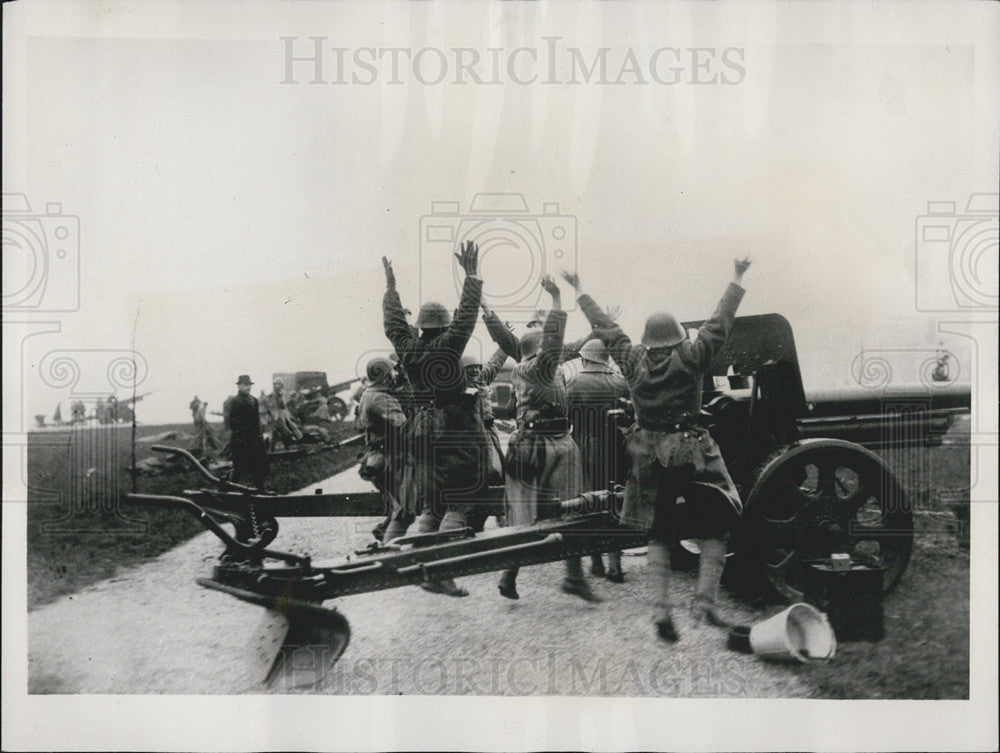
(538, 318)
(378, 368)
(662, 331)
(470, 359)
(433, 316)
(594, 350)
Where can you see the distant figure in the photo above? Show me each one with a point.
(77, 412)
(942, 367)
(204, 439)
(283, 427)
(246, 442)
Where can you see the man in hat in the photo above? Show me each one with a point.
(382, 420)
(592, 392)
(245, 442)
(543, 463)
(672, 455)
(448, 446)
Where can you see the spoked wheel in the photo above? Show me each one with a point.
(822, 496)
(337, 408)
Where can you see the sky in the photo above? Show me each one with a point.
(232, 213)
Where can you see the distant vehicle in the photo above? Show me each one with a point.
(308, 390)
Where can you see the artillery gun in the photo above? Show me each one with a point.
(115, 411)
(805, 467)
(311, 390)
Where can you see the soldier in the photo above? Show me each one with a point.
(204, 438)
(480, 377)
(671, 454)
(283, 426)
(447, 440)
(381, 418)
(246, 443)
(592, 392)
(543, 463)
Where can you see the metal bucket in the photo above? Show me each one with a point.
(801, 632)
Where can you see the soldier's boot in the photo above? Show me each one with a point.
(615, 574)
(658, 561)
(453, 519)
(711, 563)
(575, 583)
(597, 566)
(508, 584)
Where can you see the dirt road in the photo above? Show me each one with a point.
(151, 629)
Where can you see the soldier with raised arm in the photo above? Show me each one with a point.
(543, 462)
(671, 454)
(447, 443)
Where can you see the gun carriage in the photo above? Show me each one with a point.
(806, 467)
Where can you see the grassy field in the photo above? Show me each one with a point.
(79, 528)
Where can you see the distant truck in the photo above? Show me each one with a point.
(309, 393)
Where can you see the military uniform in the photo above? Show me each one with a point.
(543, 462)
(446, 440)
(204, 440)
(381, 418)
(543, 465)
(668, 448)
(481, 383)
(672, 456)
(593, 391)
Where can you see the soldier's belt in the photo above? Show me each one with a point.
(547, 426)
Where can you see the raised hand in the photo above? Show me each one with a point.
(613, 312)
(549, 285)
(469, 258)
(390, 276)
(572, 278)
(741, 266)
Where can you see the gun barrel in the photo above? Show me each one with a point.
(341, 386)
(854, 402)
(917, 428)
